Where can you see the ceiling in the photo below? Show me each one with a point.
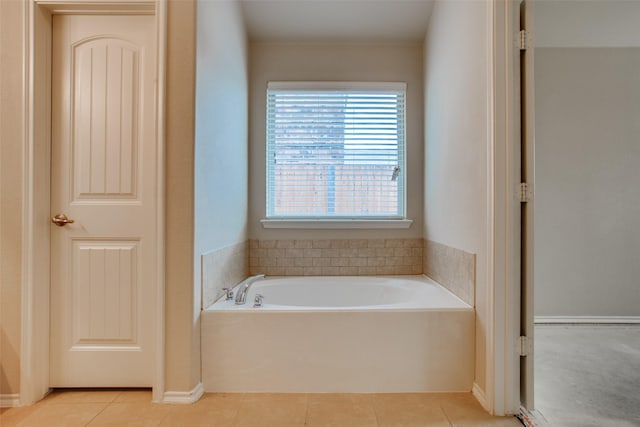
(353, 21)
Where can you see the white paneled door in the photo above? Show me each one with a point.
(103, 178)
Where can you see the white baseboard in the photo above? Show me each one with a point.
(184, 397)
(587, 320)
(478, 393)
(9, 400)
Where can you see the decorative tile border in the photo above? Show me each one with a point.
(336, 257)
(223, 268)
(453, 268)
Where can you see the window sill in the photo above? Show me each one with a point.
(338, 224)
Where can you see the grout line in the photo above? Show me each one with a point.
(240, 405)
(445, 415)
(372, 398)
(100, 412)
(306, 410)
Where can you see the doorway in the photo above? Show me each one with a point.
(37, 350)
(587, 206)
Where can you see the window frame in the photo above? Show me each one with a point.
(337, 221)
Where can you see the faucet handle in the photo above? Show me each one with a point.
(228, 293)
(257, 302)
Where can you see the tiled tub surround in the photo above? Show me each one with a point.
(336, 257)
(223, 268)
(420, 338)
(453, 268)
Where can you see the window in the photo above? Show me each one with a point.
(335, 150)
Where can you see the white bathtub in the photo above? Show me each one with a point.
(340, 334)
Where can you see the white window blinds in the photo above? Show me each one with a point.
(335, 150)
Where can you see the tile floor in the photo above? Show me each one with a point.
(133, 408)
(588, 376)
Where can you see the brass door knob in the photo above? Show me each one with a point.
(61, 220)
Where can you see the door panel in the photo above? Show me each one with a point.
(105, 286)
(103, 274)
(105, 88)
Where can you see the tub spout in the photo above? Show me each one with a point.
(243, 288)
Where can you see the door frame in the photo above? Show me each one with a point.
(35, 324)
(503, 225)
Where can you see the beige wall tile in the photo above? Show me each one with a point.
(393, 243)
(312, 253)
(384, 252)
(315, 255)
(393, 261)
(402, 252)
(285, 262)
(321, 244)
(227, 267)
(348, 253)
(375, 243)
(312, 271)
(366, 252)
(339, 262)
(303, 262)
(330, 271)
(413, 243)
(303, 244)
(348, 271)
(322, 262)
(267, 244)
(452, 268)
(339, 244)
(294, 271)
(293, 253)
(366, 271)
(357, 262)
(376, 261)
(285, 244)
(330, 253)
(358, 243)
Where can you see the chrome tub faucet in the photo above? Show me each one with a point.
(243, 288)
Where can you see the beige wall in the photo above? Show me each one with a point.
(571, 23)
(456, 116)
(182, 351)
(221, 165)
(587, 174)
(11, 143)
(335, 62)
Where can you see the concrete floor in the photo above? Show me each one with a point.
(588, 376)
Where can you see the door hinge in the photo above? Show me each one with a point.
(524, 346)
(524, 192)
(524, 40)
